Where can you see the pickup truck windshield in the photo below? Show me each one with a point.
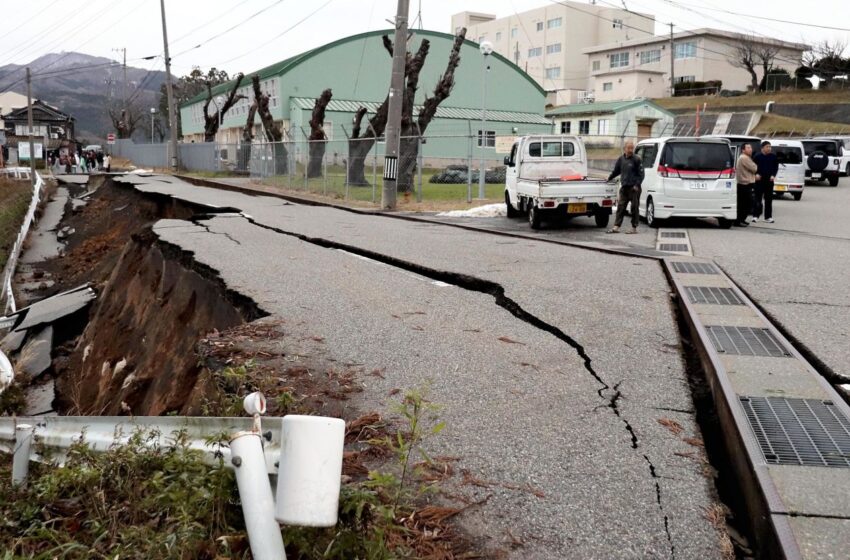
(697, 156)
(788, 154)
(551, 149)
(828, 147)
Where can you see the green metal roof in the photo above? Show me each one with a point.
(284, 66)
(466, 114)
(605, 108)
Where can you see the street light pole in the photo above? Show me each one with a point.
(486, 48)
(153, 112)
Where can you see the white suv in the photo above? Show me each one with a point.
(844, 151)
(823, 160)
(687, 177)
(791, 177)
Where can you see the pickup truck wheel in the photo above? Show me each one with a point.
(847, 170)
(797, 195)
(534, 216)
(512, 212)
(602, 219)
(833, 181)
(651, 220)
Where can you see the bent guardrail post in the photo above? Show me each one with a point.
(21, 455)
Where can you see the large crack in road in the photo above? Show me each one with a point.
(611, 394)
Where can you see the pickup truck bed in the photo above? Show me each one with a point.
(551, 199)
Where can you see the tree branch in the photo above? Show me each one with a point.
(317, 120)
(444, 85)
(358, 120)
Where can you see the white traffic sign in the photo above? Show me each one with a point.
(110, 138)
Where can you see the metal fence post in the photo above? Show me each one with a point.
(420, 161)
(325, 172)
(469, 164)
(21, 456)
(374, 169)
(306, 157)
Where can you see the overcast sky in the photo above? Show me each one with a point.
(282, 28)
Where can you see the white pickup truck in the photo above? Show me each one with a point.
(546, 179)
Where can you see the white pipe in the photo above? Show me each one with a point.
(310, 471)
(21, 456)
(255, 492)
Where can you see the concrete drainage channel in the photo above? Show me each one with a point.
(785, 429)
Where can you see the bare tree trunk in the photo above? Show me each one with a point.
(247, 139)
(211, 122)
(359, 145)
(271, 128)
(411, 130)
(318, 138)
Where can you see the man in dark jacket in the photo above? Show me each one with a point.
(629, 168)
(768, 167)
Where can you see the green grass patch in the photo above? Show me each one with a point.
(15, 197)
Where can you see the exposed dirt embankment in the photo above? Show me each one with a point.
(136, 354)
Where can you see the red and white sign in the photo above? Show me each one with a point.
(110, 138)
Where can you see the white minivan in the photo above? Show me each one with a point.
(791, 176)
(689, 178)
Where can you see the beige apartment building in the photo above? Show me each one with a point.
(641, 67)
(547, 42)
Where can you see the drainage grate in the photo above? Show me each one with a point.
(674, 247)
(807, 432)
(674, 234)
(694, 268)
(746, 341)
(718, 296)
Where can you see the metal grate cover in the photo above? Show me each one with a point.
(674, 247)
(716, 296)
(746, 341)
(674, 234)
(807, 432)
(694, 268)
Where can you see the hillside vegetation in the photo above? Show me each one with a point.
(756, 99)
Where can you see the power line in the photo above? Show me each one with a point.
(775, 20)
(229, 29)
(20, 25)
(229, 11)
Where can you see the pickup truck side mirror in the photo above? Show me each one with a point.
(508, 161)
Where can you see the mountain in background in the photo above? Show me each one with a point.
(85, 87)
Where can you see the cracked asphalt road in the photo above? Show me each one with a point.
(570, 409)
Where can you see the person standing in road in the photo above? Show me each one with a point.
(107, 162)
(768, 167)
(630, 168)
(745, 171)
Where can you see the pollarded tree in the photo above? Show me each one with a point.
(745, 55)
(318, 138)
(211, 122)
(361, 142)
(247, 139)
(271, 128)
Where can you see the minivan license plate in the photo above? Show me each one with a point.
(700, 185)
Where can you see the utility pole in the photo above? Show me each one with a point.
(29, 125)
(393, 130)
(672, 56)
(172, 116)
(124, 91)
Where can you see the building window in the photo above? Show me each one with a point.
(537, 51)
(553, 49)
(566, 126)
(619, 60)
(617, 23)
(554, 72)
(607, 86)
(498, 36)
(684, 79)
(490, 139)
(481, 38)
(584, 127)
(553, 23)
(602, 127)
(596, 65)
(539, 26)
(685, 50)
(648, 57)
(514, 33)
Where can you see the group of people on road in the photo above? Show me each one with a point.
(755, 174)
(81, 162)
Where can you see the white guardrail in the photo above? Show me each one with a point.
(303, 453)
(6, 296)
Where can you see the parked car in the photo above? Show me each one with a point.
(791, 177)
(96, 148)
(737, 141)
(689, 178)
(546, 178)
(844, 151)
(823, 160)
